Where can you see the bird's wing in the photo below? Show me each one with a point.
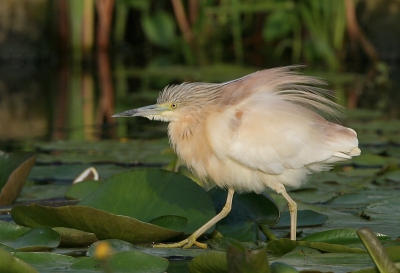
(267, 133)
(288, 84)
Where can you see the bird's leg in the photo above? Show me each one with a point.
(191, 240)
(293, 213)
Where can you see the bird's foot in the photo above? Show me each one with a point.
(187, 243)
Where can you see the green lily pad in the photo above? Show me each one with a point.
(369, 160)
(68, 172)
(14, 170)
(174, 253)
(10, 231)
(281, 246)
(106, 151)
(103, 224)
(10, 263)
(37, 239)
(279, 267)
(304, 218)
(46, 262)
(342, 236)
(149, 193)
(331, 248)
(210, 262)
(389, 177)
(125, 261)
(75, 238)
(248, 210)
(79, 191)
(375, 249)
(241, 259)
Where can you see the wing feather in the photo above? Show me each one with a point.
(271, 121)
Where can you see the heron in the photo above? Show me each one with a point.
(269, 129)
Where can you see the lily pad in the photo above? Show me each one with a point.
(14, 171)
(304, 218)
(149, 193)
(339, 236)
(46, 262)
(130, 152)
(82, 189)
(210, 262)
(248, 210)
(10, 263)
(10, 231)
(37, 239)
(75, 238)
(169, 253)
(126, 261)
(103, 224)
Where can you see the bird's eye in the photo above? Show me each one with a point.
(173, 105)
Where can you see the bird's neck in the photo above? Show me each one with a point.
(189, 140)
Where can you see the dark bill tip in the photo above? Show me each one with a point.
(128, 113)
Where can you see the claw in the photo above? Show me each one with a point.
(185, 244)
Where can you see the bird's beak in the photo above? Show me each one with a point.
(150, 110)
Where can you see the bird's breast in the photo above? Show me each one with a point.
(190, 142)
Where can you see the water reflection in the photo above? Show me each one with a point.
(76, 101)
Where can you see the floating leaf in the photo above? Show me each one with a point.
(75, 238)
(46, 262)
(376, 251)
(281, 246)
(14, 170)
(103, 224)
(210, 262)
(128, 152)
(278, 267)
(82, 189)
(10, 263)
(342, 236)
(304, 218)
(126, 261)
(149, 193)
(389, 177)
(37, 239)
(245, 260)
(10, 231)
(331, 248)
(248, 210)
(170, 253)
(369, 160)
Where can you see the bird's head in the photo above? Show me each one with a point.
(177, 101)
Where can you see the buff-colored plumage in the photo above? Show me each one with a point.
(267, 129)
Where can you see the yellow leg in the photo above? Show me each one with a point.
(293, 214)
(191, 240)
